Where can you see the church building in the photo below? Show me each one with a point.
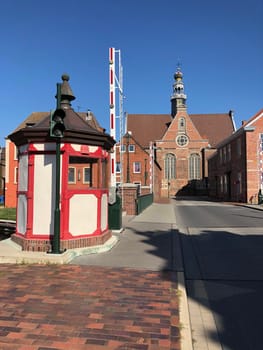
(167, 153)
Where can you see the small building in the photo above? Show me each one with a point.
(236, 169)
(83, 189)
(11, 169)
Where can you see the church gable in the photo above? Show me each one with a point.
(180, 127)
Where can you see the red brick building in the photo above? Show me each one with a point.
(168, 153)
(236, 169)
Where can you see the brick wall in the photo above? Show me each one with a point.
(129, 194)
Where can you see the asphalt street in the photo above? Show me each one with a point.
(222, 247)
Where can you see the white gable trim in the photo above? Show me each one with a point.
(254, 120)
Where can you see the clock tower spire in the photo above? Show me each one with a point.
(178, 98)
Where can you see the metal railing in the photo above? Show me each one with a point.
(143, 202)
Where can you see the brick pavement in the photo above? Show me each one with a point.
(51, 307)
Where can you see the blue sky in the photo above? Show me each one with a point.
(219, 45)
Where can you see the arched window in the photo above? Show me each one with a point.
(169, 166)
(181, 124)
(194, 167)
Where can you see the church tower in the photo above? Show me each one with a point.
(178, 98)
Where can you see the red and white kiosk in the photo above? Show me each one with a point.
(84, 152)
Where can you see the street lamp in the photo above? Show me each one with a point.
(57, 131)
(128, 157)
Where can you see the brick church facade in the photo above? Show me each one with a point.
(168, 153)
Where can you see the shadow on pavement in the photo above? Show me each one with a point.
(230, 265)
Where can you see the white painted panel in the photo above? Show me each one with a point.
(76, 147)
(90, 149)
(21, 213)
(83, 214)
(23, 173)
(44, 193)
(104, 212)
(45, 146)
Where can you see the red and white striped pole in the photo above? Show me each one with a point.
(112, 113)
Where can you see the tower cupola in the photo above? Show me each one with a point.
(178, 98)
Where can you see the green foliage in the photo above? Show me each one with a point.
(7, 213)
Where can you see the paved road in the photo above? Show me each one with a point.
(147, 243)
(223, 260)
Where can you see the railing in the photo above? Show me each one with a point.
(143, 202)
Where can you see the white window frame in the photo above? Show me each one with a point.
(15, 153)
(74, 168)
(170, 166)
(194, 166)
(131, 148)
(134, 167)
(16, 175)
(83, 174)
(118, 171)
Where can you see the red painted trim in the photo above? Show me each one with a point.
(86, 150)
(99, 213)
(111, 121)
(64, 202)
(66, 194)
(30, 195)
(111, 77)
(98, 193)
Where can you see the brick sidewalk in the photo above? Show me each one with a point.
(72, 307)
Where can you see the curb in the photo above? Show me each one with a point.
(184, 313)
(184, 316)
(17, 256)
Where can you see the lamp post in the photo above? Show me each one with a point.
(128, 158)
(145, 172)
(57, 129)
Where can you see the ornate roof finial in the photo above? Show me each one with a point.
(178, 75)
(66, 92)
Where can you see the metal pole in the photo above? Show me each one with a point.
(128, 158)
(56, 236)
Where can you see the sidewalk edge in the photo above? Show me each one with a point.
(184, 317)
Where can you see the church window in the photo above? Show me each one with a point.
(194, 166)
(182, 140)
(169, 166)
(181, 124)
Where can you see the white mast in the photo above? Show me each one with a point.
(116, 82)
